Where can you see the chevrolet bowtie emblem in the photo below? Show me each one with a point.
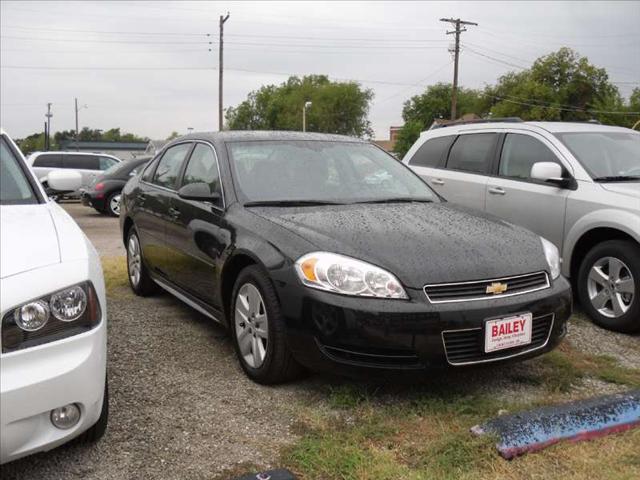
(497, 288)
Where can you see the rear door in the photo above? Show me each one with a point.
(464, 179)
(514, 196)
(87, 165)
(429, 160)
(153, 200)
(197, 232)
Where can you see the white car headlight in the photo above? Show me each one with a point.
(348, 276)
(553, 257)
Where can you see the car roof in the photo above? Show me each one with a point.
(58, 152)
(265, 135)
(553, 127)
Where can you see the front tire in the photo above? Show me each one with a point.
(258, 329)
(609, 285)
(139, 279)
(112, 205)
(97, 431)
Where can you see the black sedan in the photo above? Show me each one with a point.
(325, 252)
(104, 193)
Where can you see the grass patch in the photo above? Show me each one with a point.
(115, 273)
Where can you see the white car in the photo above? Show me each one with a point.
(88, 165)
(53, 327)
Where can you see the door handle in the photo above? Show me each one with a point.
(141, 197)
(437, 181)
(174, 213)
(496, 191)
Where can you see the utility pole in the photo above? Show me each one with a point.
(77, 133)
(47, 138)
(220, 67)
(459, 29)
(304, 115)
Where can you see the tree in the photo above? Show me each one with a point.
(33, 143)
(173, 136)
(561, 86)
(337, 107)
(420, 111)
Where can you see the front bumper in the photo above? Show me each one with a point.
(40, 379)
(341, 334)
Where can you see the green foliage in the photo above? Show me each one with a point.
(337, 107)
(32, 143)
(96, 135)
(173, 136)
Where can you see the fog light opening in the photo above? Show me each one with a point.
(65, 417)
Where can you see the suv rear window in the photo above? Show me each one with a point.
(53, 160)
(432, 152)
(472, 152)
(85, 162)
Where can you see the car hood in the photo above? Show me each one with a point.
(631, 189)
(28, 237)
(420, 243)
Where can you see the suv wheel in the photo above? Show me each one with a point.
(113, 204)
(139, 279)
(258, 329)
(609, 285)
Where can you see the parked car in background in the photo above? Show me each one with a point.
(325, 251)
(576, 184)
(89, 165)
(103, 193)
(53, 330)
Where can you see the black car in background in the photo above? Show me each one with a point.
(104, 193)
(323, 251)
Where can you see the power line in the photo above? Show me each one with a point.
(107, 32)
(85, 40)
(416, 84)
(575, 109)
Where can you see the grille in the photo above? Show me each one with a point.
(379, 358)
(477, 290)
(467, 346)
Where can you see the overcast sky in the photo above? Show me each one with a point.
(146, 66)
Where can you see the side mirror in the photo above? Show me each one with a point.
(551, 172)
(64, 180)
(199, 191)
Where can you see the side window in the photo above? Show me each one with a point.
(106, 163)
(50, 161)
(166, 175)
(203, 168)
(147, 175)
(81, 162)
(431, 153)
(520, 152)
(472, 152)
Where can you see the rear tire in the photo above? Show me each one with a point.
(139, 279)
(258, 329)
(609, 285)
(97, 431)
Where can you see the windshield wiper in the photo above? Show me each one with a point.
(617, 178)
(397, 200)
(289, 203)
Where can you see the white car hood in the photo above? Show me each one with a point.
(28, 238)
(631, 189)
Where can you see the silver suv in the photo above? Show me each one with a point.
(576, 184)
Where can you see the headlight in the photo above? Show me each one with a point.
(58, 315)
(553, 257)
(347, 276)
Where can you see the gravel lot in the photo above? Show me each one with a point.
(182, 408)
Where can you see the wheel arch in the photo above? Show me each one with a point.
(239, 260)
(126, 226)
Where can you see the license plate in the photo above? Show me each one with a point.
(507, 332)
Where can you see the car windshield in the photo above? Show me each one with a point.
(15, 188)
(316, 172)
(606, 155)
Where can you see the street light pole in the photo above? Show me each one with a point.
(304, 115)
(47, 140)
(77, 131)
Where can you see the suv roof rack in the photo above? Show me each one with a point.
(477, 120)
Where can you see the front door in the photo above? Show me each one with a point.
(197, 232)
(514, 196)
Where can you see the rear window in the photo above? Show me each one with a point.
(84, 162)
(472, 152)
(53, 160)
(432, 152)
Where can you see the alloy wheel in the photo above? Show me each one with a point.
(134, 260)
(251, 322)
(114, 204)
(611, 287)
